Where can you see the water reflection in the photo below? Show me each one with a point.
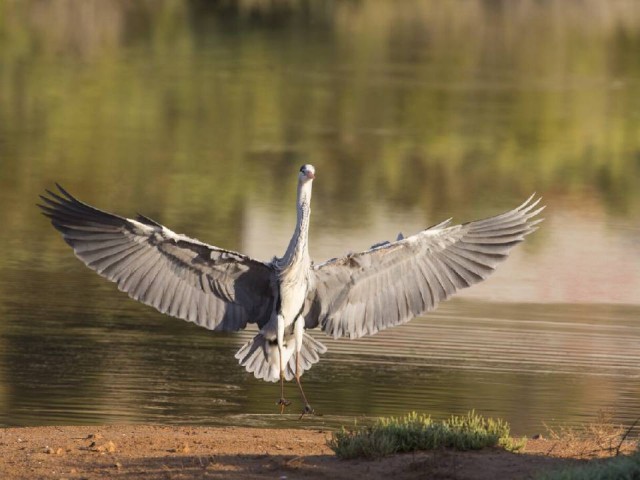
(197, 113)
(525, 362)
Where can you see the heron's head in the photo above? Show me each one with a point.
(307, 173)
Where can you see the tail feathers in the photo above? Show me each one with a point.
(261, 357)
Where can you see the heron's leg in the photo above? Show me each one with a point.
(299, 334)
(283, 402)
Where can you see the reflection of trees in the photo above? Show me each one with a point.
(437, 103)
(182, 108)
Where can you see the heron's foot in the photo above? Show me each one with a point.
(283, 402)
(307, 410)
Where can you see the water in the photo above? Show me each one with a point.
(199, 116)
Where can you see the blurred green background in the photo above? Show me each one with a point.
(199, 114)
(425, 103)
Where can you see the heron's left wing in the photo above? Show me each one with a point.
(392, 282)
(215, 288)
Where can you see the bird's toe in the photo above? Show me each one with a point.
(283, 402)
(308, 410)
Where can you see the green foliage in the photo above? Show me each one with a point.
(617, 468)
(432, 119)
(419, 432)
(513, 445)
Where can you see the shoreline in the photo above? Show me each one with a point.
(184, 452)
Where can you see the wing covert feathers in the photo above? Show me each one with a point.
(177, 275)
(392, 282)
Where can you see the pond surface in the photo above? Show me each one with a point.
(199, 116)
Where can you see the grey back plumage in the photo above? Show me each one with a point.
(180, 276)
(392, 282)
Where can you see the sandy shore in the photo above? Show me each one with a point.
(168, 452)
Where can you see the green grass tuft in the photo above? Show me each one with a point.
(419, 432)
(615, 468)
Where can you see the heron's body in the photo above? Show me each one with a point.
(359, 294)
(284, 333)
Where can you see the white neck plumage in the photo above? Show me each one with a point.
(297, 253)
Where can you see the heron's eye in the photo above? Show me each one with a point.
(302, 169)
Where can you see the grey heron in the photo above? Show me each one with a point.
(356, 295)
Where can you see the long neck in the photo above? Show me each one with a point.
(298, 249)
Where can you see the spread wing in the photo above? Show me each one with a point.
(214, 288)
(392, 282)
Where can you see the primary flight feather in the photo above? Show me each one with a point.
(359, 294)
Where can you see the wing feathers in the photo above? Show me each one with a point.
(146, 284)
(394, 281)
(183, 277)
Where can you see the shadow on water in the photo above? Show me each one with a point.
(198, 114)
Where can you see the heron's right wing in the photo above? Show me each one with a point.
(393, 282)
(180, 276)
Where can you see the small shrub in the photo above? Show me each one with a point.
(419, 432)
(600, 438)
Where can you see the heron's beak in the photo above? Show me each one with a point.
(311, 175)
